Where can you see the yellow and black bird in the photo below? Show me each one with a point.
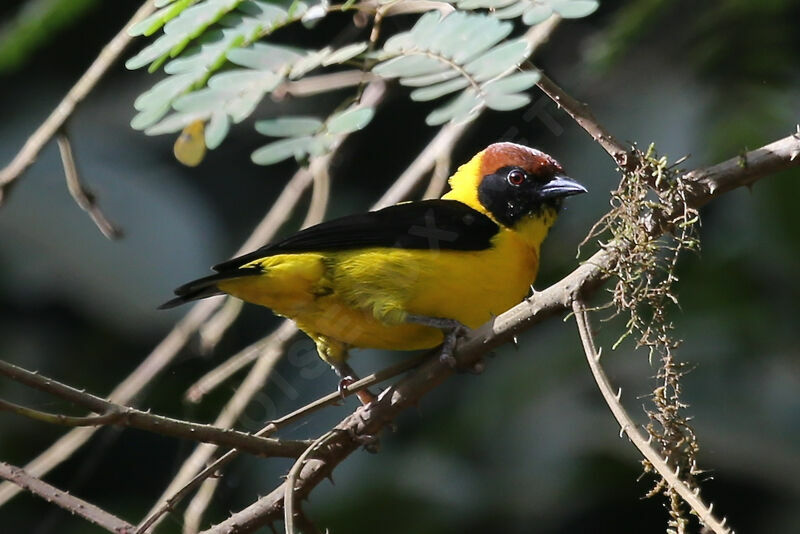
(409, 276)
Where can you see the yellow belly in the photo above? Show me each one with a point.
(361, 298)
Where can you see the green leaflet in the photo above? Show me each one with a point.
(289, 126)
(297, 147)
(460, 52)
(307, 136)
(350, 120)
(532, 11)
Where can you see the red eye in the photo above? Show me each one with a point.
(516, 177)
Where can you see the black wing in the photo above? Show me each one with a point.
(424, 225)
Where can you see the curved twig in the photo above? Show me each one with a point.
(84, 198)
(630, 428)
(289, 510)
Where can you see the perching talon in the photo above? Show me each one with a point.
(451, 329)
(343, 385)
(348, 377)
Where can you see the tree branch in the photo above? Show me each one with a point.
(211, 332)
(370, 420)
(130, 417)
(624, 157)
(84, 198)
(630, 428)
(72, 504)
(173, 496)
(746, 169)
(27, 155)
(290, 510)
(187, 474)
(57, 418)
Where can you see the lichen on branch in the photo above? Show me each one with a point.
(651, 223)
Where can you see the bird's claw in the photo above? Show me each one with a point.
(344, 383)
(451, 329)
(364, 395)
(451, 336)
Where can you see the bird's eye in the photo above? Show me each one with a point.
(515, 177)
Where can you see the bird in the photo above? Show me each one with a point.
(410, 276)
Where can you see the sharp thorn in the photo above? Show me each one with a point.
(619, 393)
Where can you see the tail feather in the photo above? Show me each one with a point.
(204, 287)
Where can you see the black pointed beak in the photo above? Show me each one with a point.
(561, 186)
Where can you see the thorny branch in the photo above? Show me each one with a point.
(630, 428)
(110, 413)
(174, 496)
(86, 510)
(580, 112)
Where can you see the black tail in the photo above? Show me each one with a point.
(205, 287)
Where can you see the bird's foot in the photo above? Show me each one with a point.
(344, 383)
(348, 377)
(451, 337)
(452, 330)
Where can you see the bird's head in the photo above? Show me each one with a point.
(513, 183)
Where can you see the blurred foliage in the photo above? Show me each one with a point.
(34, 26)
(746, 52)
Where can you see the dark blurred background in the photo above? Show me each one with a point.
(529, 446)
